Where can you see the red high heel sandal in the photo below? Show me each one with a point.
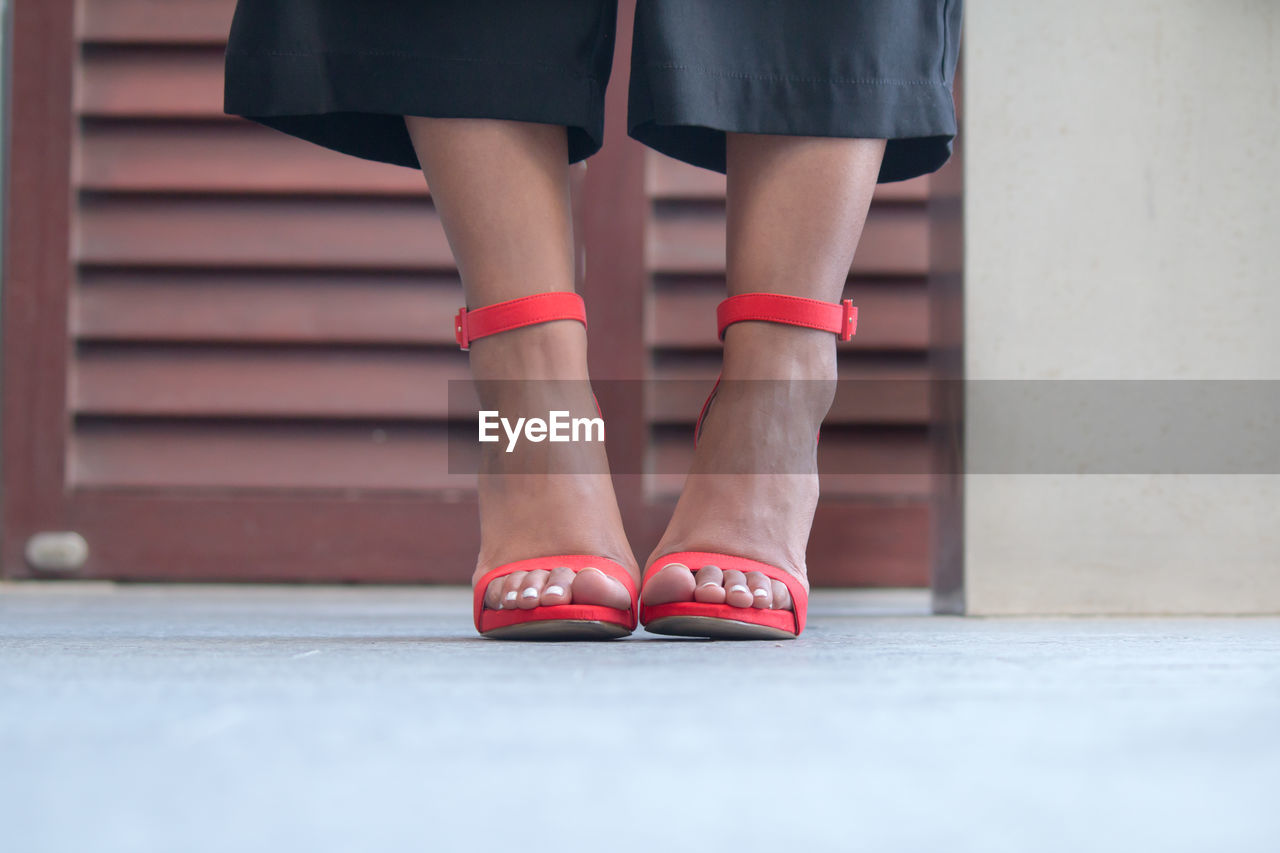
(558, 621)
(722, 621)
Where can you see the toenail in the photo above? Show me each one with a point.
(759, 593)
(555, 590)
(675, 566)
(707, 584)
(511, 596)
(737, 587)
(529, 592)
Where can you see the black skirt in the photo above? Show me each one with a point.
(342, 73)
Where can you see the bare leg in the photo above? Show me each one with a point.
(796, 207)
(502, 191)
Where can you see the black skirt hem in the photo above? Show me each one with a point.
(355, 102)
(685, 112)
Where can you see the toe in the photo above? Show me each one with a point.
(673, 582)
(761, 590)
(709, 585)
(737, 593)
(592, 586)
(511, 590)
(559, 588)
(493, 593)
(531, 589)
(781, 596)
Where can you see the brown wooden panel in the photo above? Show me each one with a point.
(691, 239)
(250, 307)
(877, 544)
(273, 456)
(897, 463)
(299, 537)
(388, 538)
(885, 391)
(254, 382)
(159, 82)
(226, 157)
(900, 192)
(668, 179)
(169, 22)
(892, 314)
(385, 233)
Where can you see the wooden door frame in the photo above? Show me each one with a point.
(37, 271)
(946, 356)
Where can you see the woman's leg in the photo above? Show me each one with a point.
(502, 191)
(796, 207)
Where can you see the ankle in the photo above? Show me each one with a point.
(780, 369)
(554, 350)
(778, 352)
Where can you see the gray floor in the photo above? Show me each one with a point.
(199, 718)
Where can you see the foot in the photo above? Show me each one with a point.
(544, 498)
(753, 486)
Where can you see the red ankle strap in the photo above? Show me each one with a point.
(470, 325)
(841, 319)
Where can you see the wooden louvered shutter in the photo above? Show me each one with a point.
(255, 332)
(226, 351)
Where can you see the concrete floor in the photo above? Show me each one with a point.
(246, 719)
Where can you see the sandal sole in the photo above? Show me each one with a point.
(715, 628)
(553, 630)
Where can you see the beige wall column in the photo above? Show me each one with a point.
(1122, 221)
